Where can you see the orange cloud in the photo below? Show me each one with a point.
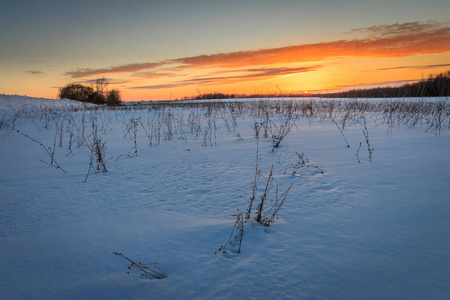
(393, 45)
(154, 74)
(375, 84)
(415, 67)
(395, 40)
(256, 74)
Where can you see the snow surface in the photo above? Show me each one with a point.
(16, 102)
(371, 230)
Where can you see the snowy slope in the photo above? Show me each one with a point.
(370, 230)
(15, 103)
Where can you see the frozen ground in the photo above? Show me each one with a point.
(370, 230)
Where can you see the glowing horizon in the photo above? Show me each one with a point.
(361, 55)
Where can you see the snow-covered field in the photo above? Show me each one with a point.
(176, 178)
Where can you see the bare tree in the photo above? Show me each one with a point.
(101, 86)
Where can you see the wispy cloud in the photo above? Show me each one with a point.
(158, 86)
(375, 84)
(153, 74)
(400, 29)
(254, 74)
(394, 40)
(35, 72)
(110, 81)
(415, 67)
(127, 68)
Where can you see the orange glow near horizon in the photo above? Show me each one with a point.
(332, 76)
(376, 56)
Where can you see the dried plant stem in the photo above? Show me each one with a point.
(264, 196)
(48, 150)
(98, 150)
(255, 181)
(303, 164)
(357, 152)
(277, 205)
(366, 135)
(144, 268)
(348, 145)
(237, 234)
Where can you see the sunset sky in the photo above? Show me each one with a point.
(155, 50)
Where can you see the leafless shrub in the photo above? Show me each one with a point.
(131, 130)
(271, 214)
(282, 130)
(266, 211)
(263, 198)
(98, 152)
(256, 128)
(439, 114)
(262, 214)
(210, 134)
(194, 122)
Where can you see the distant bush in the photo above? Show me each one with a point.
(113, 97)
(75, 91)
(99, 95)
(96, 98)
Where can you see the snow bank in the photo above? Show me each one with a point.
(9, 103)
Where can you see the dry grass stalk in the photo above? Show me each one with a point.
(146, 270)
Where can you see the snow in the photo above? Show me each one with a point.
(371, 230)
(16, 102)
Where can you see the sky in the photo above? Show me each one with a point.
(162, 50)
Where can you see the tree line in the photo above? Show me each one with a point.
(434, 86)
